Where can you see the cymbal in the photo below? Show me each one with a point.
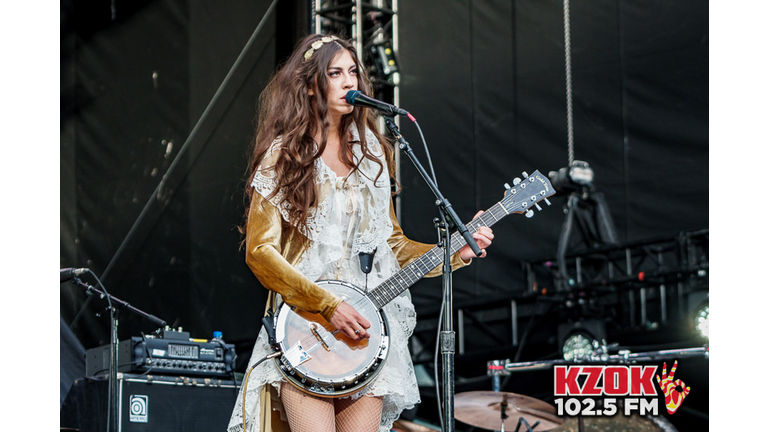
(483, 409)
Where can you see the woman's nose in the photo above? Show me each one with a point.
(348, 81)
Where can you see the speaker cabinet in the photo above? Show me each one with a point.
(151, 403)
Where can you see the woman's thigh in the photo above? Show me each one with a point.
(305, 412)
(359, 415)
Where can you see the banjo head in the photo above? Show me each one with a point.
(320, 361)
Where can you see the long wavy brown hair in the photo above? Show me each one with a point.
(287, 110)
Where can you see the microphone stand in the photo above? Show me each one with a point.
(447, 217)
(113, 410)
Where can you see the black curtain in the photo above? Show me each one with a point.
(486, 81)
(136, 82)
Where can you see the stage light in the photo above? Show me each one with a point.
(579, 339)
(702, 320)
(578, 346)
(572, 177)
(384, 58)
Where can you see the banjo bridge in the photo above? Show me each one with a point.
(313, 329)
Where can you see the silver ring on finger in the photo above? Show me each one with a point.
(357, 332)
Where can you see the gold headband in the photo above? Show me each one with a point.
(317, 44)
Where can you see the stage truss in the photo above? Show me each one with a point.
(634, 288)
(373, 26)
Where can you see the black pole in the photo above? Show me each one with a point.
(113, 413)
(447, 335)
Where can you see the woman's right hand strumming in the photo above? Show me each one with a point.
(348, 321)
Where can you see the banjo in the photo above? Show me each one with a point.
(320, 360)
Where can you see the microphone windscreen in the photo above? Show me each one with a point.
(350, 97)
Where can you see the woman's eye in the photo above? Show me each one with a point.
(334, 73)
(353, 72)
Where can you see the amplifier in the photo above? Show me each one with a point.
(165, 356)
(150, 403)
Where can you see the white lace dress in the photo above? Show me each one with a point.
(352, 217)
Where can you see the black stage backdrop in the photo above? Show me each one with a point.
(485, 79)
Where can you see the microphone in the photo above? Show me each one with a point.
(357, 98)
(70, 273)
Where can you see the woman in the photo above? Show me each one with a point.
(320, 196)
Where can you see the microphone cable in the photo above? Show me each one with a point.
(426, 149)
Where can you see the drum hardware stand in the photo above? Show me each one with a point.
(504, 414)
(448, 216)
(113, 410)
(496, 368)
(520, 422)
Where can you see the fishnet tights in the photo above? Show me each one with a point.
(308, 413)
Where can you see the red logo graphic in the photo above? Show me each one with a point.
(673, 397)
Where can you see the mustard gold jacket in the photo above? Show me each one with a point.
(274, 247)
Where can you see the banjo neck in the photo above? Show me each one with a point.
(518, 199)
(413, 272)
